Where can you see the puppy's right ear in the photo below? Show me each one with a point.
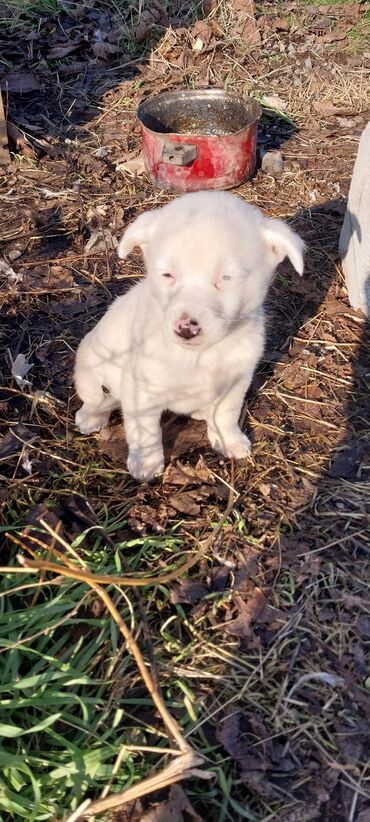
(139, 233)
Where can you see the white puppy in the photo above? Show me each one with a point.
(189, 336)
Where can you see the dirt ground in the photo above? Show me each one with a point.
(268, 635)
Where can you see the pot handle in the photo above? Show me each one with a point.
(179, 154)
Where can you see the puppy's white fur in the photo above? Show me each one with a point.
(210, 257)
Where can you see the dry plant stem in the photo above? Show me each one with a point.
(182, 767)
(168, 720)
(131, 644)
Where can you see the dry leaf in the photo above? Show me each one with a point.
(20, 82)
(185, 504)
(273, 101)
(188, 591)
(183, 475)
(176, 808)
(100, 242)
(57, 52)
(9, 272)
(134, 167)
(339, 33)
(14, 440)
(20, 367)
(103, 50)
(248, 612)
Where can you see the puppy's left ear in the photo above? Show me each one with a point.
(283, 242)
(139, 233)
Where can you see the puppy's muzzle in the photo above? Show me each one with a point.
(186, 327)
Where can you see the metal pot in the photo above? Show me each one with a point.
(199, 139)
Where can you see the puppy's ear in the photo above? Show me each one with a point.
(283, 242)
(139, 233)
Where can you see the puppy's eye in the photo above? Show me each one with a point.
(167, 275)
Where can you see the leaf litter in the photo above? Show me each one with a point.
(281, 597)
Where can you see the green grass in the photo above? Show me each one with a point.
(65, 711)
(359, 36)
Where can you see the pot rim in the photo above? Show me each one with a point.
(256, 111)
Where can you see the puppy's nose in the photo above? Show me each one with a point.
(186, 327)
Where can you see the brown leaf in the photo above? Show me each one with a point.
(248, 612)
(259, 784)
(339, 33)
(57, 52)
(134, 167)
(188, 591)
(183, 475)
(156, 15)
(247, 30)
(352, 10)
(34, 528)
(185, 504)
(19, 82)
(181, 436)
(103, 50)
(209, 6)
(173, 808)
(20, 140)
(14, 440)
(236, 735)
(202, 30)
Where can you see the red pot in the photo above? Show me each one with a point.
(199, 139)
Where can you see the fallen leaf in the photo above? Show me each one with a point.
(14, 440)
(351, 10)
(26, 461)
(339, 33)
(134, 167)
(57, 52)
(347, 461)
(155, 16)
(260, 784)
(176, 808)
(209, 6)
(20, 82)
(248, 612)
(198, 45)
(20, 141)
(247, 28)
(201, 31)
(103, 50)
(20, 367)
(185, 504)
(9, 272)
(188, 591)
(100, 242)
(33, 526)
(273, 101)
(179, 474)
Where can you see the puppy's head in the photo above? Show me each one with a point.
(210, 258)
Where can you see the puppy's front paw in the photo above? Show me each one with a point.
(234, 445)
(144, 467)
(88, 422)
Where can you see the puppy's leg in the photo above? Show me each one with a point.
(97, 404)
(95, 415)
(144, 438)
(223, 429)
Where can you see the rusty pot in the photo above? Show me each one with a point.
(199, 139)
